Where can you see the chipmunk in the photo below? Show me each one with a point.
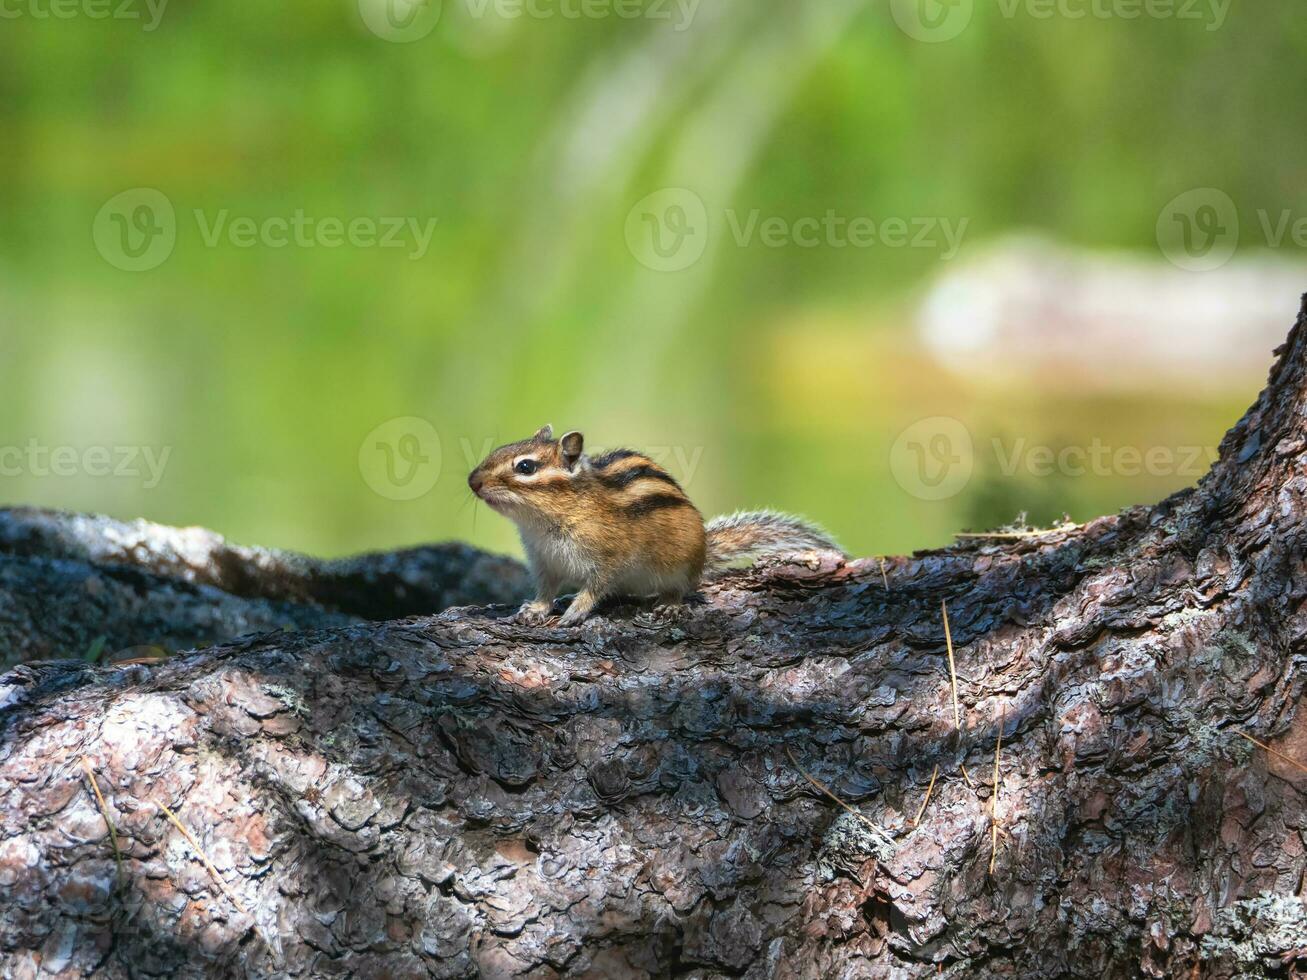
(617, 524)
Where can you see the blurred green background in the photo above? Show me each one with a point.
(768, 371)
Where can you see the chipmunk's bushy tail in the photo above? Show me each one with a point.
(753, 534)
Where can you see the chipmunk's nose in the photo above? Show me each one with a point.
(474, 480)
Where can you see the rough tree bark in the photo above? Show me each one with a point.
(92, 587)
(456, 795)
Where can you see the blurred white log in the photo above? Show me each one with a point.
(1028, 310)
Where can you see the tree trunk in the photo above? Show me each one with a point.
(457, 796)
(95, 588)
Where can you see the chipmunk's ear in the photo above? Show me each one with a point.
(546, 434)
(571, 445)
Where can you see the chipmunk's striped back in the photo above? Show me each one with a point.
(638, 485)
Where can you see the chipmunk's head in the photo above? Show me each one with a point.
(532, 478)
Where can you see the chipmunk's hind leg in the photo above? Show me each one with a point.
(671, 607)
(671, 604)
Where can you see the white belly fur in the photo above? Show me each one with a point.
(555, 557)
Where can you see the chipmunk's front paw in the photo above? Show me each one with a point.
(582, 605)
(573, 616)
(533, 613)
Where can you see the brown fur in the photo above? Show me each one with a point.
(617, 524)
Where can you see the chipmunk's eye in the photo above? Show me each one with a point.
(525, 466)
